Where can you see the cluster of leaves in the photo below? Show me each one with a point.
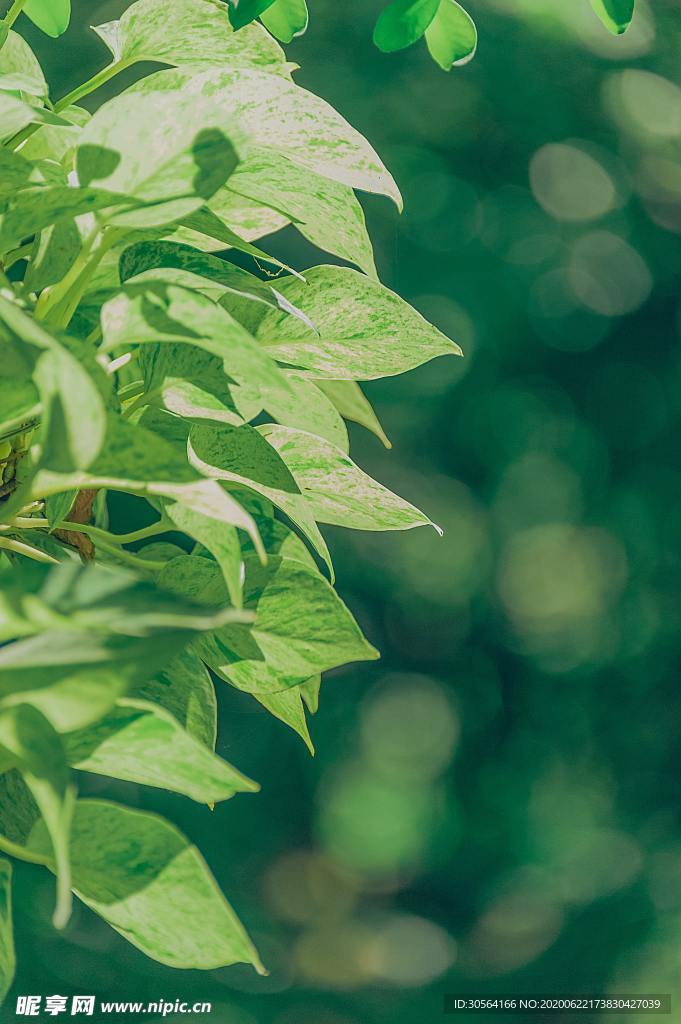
(135, 359)
(449, 30)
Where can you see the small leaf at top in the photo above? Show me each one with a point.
(51, 16)
(402, 23)
(452, 37)
(286, 19)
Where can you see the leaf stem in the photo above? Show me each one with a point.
(94, 531)
(11, 16)
(101, 78)
(19, 548)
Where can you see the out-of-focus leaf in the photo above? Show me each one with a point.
(243, 12)
(616, 15)
(451, 37)
(51, 16)
(285, 19)
(32, 745)
(402, 23)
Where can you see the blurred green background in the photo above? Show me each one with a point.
(495, 806)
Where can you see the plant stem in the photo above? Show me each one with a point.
(19, 548)
(130, 558)
(94, 531)
(101, 78)
(12, 15)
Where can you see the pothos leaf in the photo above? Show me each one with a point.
(140, 742)
(17, 57)
(239, 455)
(184, 688)
(73, 410)
(31, 744)
(287, 706)
(196, 32)
(148, 882)
(301, 626)
(337, 491)
(363, 329)
(268, 111)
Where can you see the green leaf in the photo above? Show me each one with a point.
(301, 626)
(18, 403)
(185, 689)
(150, 313)
(280, 540)
(17, 58)
(56, 142)
(92, 599)
(148, 882)
(337, 491)
(15, 114)
(90, 634)
(51, 16)
(15, 172)
(73, 412)
(616, 15)
(365, 330)
(242, 12)
(58, 506)
(192, 383)
(7, 956)
(141, 462)
(221, 539)
(351, 403)
(37, 208)
(196, 32)
(287, 706)
(452, 37)
(31, 744)
(239, 455)
(262, 111)
(325, 212)
(221, 278)
(187, 156)
(55, 251)
(402, 23)
(308, 408)
(140, 742)
(285, 19)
